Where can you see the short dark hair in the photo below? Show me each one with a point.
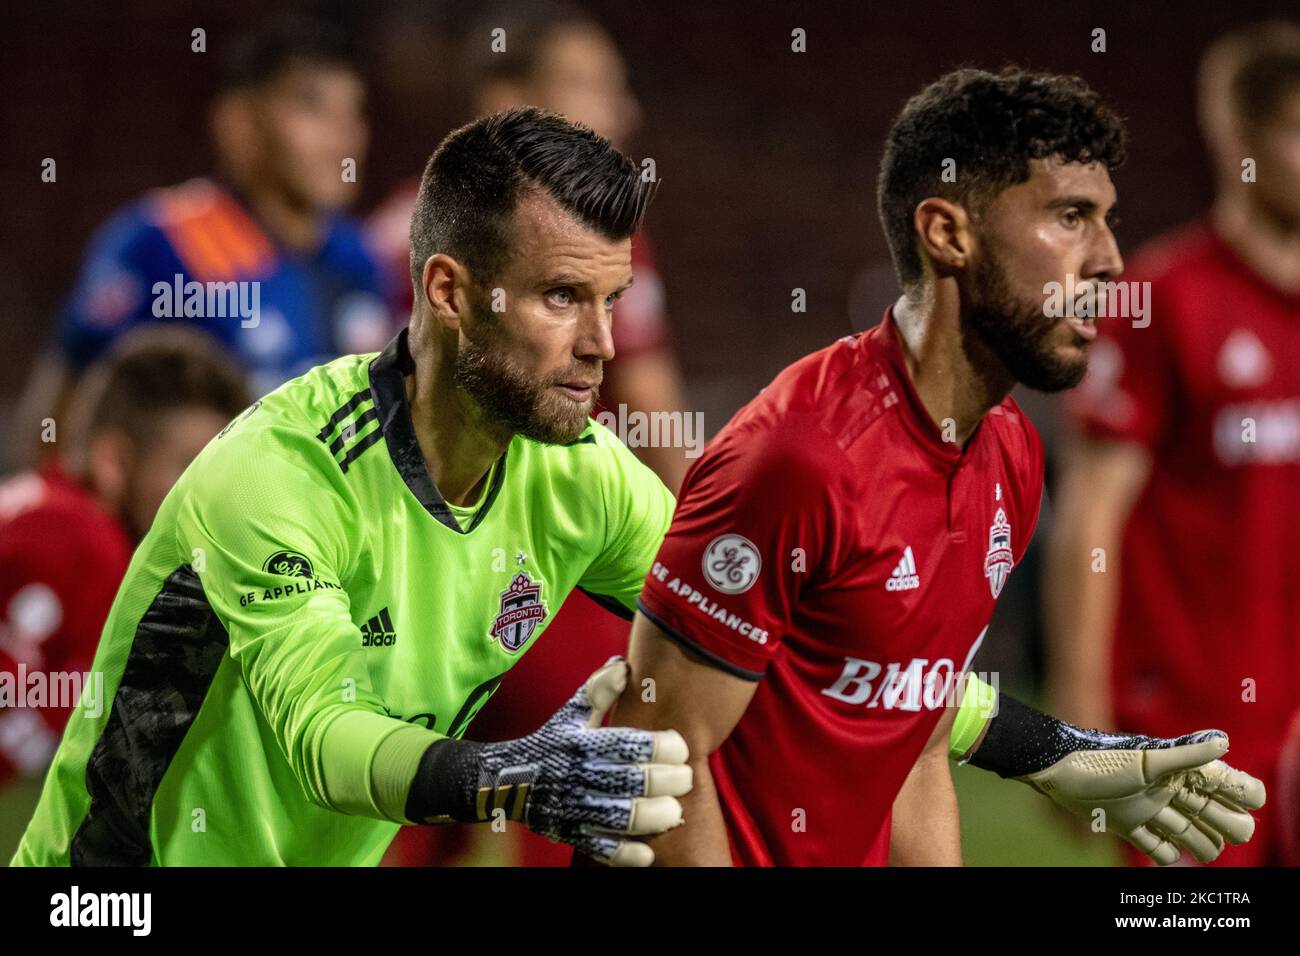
(147, 373)
(1261, 86)
(991, 125)
(255, 58)
(475, 179)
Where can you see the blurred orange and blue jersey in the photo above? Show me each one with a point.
(171, 255)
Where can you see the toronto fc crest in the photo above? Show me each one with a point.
(997, 564)
(522, 610)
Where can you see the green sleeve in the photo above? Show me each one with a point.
(271, 528)
(638, 510)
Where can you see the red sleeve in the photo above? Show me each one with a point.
(1126, 395)
(59, 574)
(750, 530)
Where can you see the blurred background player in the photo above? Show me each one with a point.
(559, 58)
(1187, 470)
(139, 416)
(288, 128)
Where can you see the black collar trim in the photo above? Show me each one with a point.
(387, 383)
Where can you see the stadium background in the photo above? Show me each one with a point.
(768, 160)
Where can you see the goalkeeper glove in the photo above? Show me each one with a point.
(1159, 794)
(571, 780)
(1162, 795)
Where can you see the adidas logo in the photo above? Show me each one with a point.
(354, 417)
(904, 577)
(378, 631)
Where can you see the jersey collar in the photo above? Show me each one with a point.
(388, 386)
(914, 414)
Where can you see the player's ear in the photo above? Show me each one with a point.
(446, 290)
(944, 232)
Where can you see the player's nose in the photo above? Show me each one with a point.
(595, 335)
(1105, 261)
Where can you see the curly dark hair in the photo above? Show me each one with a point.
(991, 125)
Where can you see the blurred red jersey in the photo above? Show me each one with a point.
(62, 558)
(1207, 631)
(831, 545)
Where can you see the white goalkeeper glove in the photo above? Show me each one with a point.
(1161, 795)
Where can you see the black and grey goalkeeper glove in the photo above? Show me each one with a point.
(571, 780)
(1163, 795)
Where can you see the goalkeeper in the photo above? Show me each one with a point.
(341, 578)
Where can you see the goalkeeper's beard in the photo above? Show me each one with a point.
(512, 401)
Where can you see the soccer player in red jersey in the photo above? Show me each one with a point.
(1188, 474)
(837, 551)
(138, 418)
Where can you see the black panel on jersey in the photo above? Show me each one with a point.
(178, 646)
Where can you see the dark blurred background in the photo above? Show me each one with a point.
(768, 157)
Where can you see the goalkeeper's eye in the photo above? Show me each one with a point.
(560, 298)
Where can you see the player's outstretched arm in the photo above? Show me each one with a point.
(571, 780)
(704, 703)
(1163, 795)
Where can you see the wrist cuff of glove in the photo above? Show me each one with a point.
(1021, 740)
(978, 705)
(446, 784)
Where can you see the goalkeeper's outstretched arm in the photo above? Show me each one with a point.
(1163, 795)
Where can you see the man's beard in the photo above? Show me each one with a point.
(513, 402)
(1018, 333)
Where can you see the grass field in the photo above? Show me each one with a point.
(1004, 823)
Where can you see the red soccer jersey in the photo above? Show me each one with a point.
(62, 558)
(830, 543)
(1207, 630)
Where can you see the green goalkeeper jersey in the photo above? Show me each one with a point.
(307, 615)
